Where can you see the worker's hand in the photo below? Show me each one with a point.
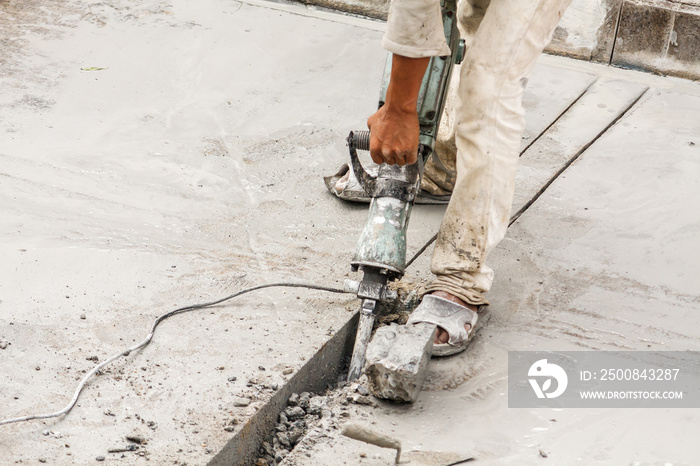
(395, 136)
(395, 128)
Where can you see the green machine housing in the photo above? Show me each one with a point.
(382, 243)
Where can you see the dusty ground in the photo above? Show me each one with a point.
(158, 154)
(154, 155)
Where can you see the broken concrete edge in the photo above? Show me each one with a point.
(593, 36)
(317, 375)
(397, 360)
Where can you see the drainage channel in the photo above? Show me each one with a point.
(317, 375)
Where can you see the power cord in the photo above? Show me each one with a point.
(149, 337)
(181, 310)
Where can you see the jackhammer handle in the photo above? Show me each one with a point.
(359, 139)
(386, 183)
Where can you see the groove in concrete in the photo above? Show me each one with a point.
(541, 191)
(318, 374)
(602, 105)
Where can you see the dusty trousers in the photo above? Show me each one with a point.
(481, 130)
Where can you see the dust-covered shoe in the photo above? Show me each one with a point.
(449, 316)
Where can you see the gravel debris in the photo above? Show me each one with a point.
(136, 438)
(302, 410)
(240, 402)
(294, 412)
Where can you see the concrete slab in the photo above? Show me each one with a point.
(550, 91)
(158, 155)
(585, 120)
(143, 171)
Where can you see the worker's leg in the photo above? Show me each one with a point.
(488, 127)
(440, 175)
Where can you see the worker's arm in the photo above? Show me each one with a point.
(414, 34)
(394, 127)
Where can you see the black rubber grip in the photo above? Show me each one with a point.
(360, 139)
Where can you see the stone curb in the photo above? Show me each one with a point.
(656, 36)
(659, 36)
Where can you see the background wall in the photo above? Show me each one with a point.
(658, 36)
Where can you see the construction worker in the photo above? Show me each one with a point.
(478, 142)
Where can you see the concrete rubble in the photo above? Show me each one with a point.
(302, 410)
(397, 360)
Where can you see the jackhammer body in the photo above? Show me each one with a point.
(381, 249)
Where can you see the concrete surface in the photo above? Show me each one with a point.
(156, 155)
(186, 169)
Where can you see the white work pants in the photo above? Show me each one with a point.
(481, 137)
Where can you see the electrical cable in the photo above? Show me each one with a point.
(167, 315)
(422, 250)
(149, 337)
